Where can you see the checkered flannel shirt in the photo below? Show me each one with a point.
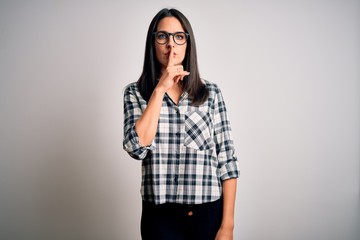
(192, 152)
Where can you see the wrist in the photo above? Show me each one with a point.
(159, 90)
(228, 224)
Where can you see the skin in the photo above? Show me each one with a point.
(227, 225)
(171, 56)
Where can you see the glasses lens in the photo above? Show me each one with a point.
(180, 38)
(162, 37)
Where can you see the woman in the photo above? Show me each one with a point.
(176, 123)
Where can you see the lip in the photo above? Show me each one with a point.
(167, 54)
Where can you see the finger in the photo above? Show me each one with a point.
(178, 72)
(171, 58)
(179, 68)
(177, 79)
(180, 76)
(183, 74)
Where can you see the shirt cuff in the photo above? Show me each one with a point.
(229, 170)
(134, 148)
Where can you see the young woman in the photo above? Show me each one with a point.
(176, 123)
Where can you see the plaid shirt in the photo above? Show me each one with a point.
(192, 152)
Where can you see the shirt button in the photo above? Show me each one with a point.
(190, 213)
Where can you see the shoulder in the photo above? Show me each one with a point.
(215, 94)
(212, 87)
(131, 88)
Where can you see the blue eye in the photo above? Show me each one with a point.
(180, 36)
(161, 36)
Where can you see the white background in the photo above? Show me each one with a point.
(289, 72)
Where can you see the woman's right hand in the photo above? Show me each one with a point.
(171, 75)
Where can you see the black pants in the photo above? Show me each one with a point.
(180, 222)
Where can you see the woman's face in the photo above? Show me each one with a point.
(170, 25)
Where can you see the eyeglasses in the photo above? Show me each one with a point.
(163, 37)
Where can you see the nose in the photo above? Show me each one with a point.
(170, 43)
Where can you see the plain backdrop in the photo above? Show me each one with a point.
(290, 75)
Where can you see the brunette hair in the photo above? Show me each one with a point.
(192, 83)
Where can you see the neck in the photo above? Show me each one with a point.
(175, 92)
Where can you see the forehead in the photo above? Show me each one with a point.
(170, 24)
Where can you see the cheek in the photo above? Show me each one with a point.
(183, 53)
(159, 54)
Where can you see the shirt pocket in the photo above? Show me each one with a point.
(198, 127)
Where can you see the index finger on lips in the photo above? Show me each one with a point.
(171, 58)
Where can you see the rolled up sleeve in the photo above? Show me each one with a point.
(132, 112)
(227, 160)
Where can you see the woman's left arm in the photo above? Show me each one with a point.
(227, 225)
(228, 166)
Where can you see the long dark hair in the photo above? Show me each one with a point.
(152, 68)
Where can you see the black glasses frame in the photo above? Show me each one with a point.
(173, 36)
